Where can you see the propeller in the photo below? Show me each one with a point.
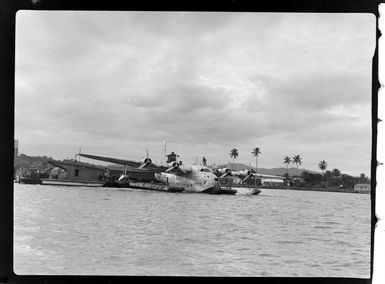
(247, 177)
(145, 163)
(226, 174)
(223, 172)
(238, 180)
(175, 166)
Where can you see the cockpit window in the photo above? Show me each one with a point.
(205, 170)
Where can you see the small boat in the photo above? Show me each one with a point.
(30, 175)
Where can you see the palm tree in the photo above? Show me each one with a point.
(297, 160)
(256, 152)
(328, 174)
(363, 178)
(287, 161)
(336, 173)
(323, 165)
(234, 154)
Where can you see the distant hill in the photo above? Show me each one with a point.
(35, 162)
(273, 171)
(38, 162)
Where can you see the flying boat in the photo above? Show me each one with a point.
(175, 175)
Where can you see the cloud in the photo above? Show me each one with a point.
(206, 82)
(184, 97)
(320, 91)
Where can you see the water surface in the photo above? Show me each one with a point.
(105, 231)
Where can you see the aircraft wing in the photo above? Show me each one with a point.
(176, 171)
(130, 163)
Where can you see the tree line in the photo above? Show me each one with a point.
(255, 152)
(297, 159)
(328, 178)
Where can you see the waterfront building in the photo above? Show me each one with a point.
(30, 175)
(362, 187)
(273, 182)
(75, 170)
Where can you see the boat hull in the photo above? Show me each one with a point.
(30, 180)
(72, 182)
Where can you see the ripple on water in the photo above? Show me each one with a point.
(323, 227)
(265, 255)
(134, 232)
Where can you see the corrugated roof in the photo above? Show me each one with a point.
(76, 164)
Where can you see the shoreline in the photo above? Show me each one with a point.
(319, 189)
(307, 189)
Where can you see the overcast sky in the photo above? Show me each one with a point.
(117, 83)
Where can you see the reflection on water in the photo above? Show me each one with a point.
(104, 231)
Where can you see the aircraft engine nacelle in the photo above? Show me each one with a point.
(243, 173)
(223, 171)
(173, 165)
(146, 161)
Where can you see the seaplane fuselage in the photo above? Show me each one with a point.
(196, 179)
